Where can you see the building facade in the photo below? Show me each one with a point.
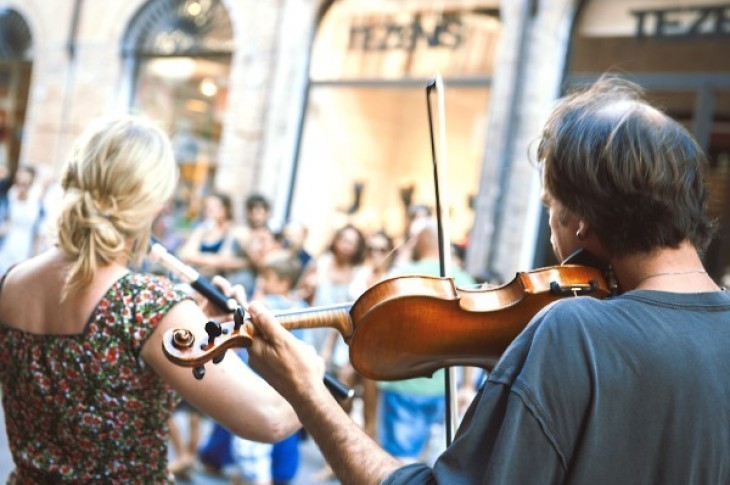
(321, 104)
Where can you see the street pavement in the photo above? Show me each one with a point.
(311, 461)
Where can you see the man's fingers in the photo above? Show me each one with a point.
(264, 321)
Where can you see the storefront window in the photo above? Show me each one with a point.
(365, 151)
(15, 70)
(182, 51)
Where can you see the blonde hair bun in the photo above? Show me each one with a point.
(119, 176)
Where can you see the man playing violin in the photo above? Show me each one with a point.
(631, 389)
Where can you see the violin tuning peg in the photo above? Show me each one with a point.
(213, 329)
(199, 372)
(218, 358)
(238, 315)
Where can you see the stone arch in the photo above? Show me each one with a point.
(179, 27)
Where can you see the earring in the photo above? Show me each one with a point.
(579, 235)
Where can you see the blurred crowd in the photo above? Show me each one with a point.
(405, 417)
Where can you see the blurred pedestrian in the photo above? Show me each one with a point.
(252, 241)
(379, 260)
(20, 228)
(418, 404)
(262, 463)
(294, 238)
(326, 281)
(204, 248)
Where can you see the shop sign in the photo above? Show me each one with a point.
(446, 32)
(683, 22)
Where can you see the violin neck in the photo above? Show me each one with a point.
(333, 316)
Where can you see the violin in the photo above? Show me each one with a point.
(410, 326)
(160, 254)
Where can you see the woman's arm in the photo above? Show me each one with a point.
(230, 393)
(190, 250)
(232, 255)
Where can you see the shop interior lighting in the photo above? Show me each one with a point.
(208, 87)
(194, 8)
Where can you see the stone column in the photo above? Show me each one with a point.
(527, 83)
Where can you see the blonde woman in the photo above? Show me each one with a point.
(87, 391)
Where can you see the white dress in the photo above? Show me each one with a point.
(22, 218)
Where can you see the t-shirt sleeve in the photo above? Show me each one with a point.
(415, 473)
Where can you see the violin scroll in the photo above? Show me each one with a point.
(188, 348)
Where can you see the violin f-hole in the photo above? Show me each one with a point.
(575, 290)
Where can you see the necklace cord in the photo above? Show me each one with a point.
(671, 273)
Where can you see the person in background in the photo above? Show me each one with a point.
(87, 390)
(418, 215)
(204, 248)
(240, 259)
(258, 211)
(628, 389)
(20, 229)
(251, 242)
(330, 276)
(418, 405)
(262, 463)
(379, 261)
(293, 237)
(326, 281)
(6, 181)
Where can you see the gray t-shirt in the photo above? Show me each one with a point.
(632, 389)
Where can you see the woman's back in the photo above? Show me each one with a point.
(79, 401)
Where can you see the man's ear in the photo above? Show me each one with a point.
(584, 228)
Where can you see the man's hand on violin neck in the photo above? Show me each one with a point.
(292, 367)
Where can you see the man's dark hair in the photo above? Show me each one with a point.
(255, 200)
(630, 170)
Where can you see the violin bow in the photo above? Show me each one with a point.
(442, 219)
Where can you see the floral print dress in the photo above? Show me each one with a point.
(84, 407)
